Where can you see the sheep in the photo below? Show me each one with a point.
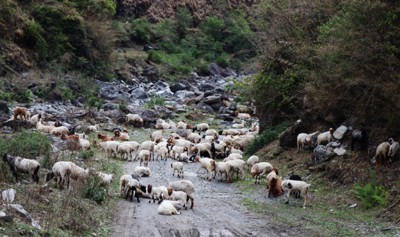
(295, 185)
(393, 150)
(361, 137)
(179, 142)
(203, 149)
(325, 137)
(161, 124)
(147, 145)
(134, 148)
(106, 179)
(104, 137)
(125, 149)
(208, 139)
(64, 170)
(304, 139)
(239, 125)
(158, 193)
(274, 183)
(93, 128)
(174, 151)
(183, 157)
(21, 112)
(176, 195)
(110, 147)
(223, 168)
(162, 152)
(8, 196)
(128, 185)
(230, 131)
(382, 153)
(44, 128)
(183, 125)
(177, 166)
(242, 115)
(144, 156)
(135, 119)
(121, 136)
(233, 156)
(201, 127)
(85, 144)
(218, 149)
(58, 131)
(208, 164)
(182, 185)
(212, 132)
(242, 142)
(254, 127)
(252, 160)
(194, 137)
(156, 136)
(18, 164)
(167, 207)
(72, 137)
(295, 193)
(142, 171)
(238, 167)
(260, 169)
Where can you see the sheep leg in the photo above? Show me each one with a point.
(287, 197)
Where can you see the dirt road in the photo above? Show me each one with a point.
(217, 211)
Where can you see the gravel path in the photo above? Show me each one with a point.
(217, 210)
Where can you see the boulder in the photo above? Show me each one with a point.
(206, 87)
(204, 107)
(25, 215)
(212, 99)
(139, 93)
(322, 153)
(178, 87)
(184, 94)
(340, 132)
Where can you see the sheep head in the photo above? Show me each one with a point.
(169, 189)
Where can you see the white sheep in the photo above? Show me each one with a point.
(212, 132)
(194, 137)
(201, 127)
(208, 164)
(106, 179)
(110, 147)
(223, 168)
(161, 124)
(144, 156)
(382, 153)
(147, 145)
(156, 136)
(181, 196)
(238, 167)
(183, 125)
(325, 137)
(393, 149)
(135, 119)
(44, 128)
(65, 170)
(175, 150)
(121, 136)
(18, 164)
(125, 149)
(142, 171)
(167, 207)
(295, 185)
(93, 128)
(202, 148)
(242, 115)
(260, 169)
(58, 131)
(230, 131)
(85, 144)
(233, 156)
(252, 160)
(182, 185)
(239, 125)
(178, 167)
(158, 193)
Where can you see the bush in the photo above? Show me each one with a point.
(141, 30)
(86, 154)
(27, 144)
(93, 190)
(371, 195)
(154, 100)
(267, 136)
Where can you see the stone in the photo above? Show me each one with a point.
(340, 132)
(212, 99)
(206, 87)
(178, 87)
(204, 107)
(322, 153)
(139, 93)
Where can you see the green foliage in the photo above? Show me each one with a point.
(184, 21)
(268, 135)
(28, 144)
(122, 106)
(371, 195)
(6, 95)
(140, 30)
(86, 154)
(154, 100)
(93, 190)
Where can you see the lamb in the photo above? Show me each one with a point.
(135, 119)
(177, 166)
(106, 179)
(144, 156)
(295, 185)
(174, 151)
(8, 196)
(382, 153)
(252, 160)
(274, 183)
(147, 145)
(142, 171)
(208, 164)
(18, 164)
(260, 169)
(167, 207)
(325, 137)
(176, 195)
(393, 150)
(157, 193)
(182, 185)
(21, 112)
(128, 185)
(162, 152)
(201, 127)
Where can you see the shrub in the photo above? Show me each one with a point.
(86, 154)
(268, 135)
(28, 144)
(93, 190)
(154, 100)
(6, 95)
(371, 195)
(141, 30)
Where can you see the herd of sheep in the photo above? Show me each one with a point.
(218, 153)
